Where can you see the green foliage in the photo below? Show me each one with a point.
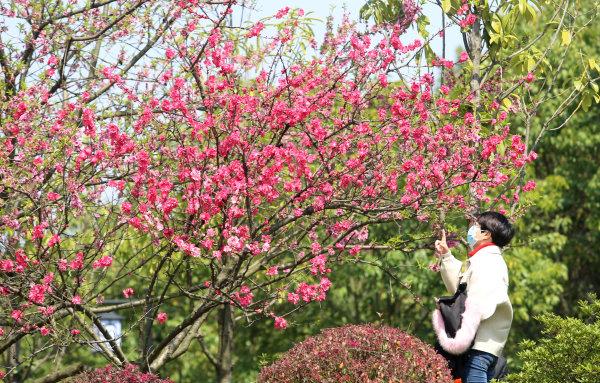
(381, 10)
(564, 223)
(569, 350)
(538, 283)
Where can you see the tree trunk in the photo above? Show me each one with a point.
(224, 364)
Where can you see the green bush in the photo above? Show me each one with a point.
(569, 350)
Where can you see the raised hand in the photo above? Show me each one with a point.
(441, 246)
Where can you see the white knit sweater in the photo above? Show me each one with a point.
(488, 314)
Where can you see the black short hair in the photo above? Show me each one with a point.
(498, 226)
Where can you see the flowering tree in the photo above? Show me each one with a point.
(150, 148)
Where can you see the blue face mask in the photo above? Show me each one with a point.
(471, 240)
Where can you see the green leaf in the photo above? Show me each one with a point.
(446, 6)
(532, 12)
(530, 63)
(429, 54)
(593, 64)
(586, 102)
(522, 6)
(422, 23)
(497, 25)
(566, 37)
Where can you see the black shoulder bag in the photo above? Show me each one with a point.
(452, 308)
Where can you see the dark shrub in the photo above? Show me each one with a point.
(358, 353)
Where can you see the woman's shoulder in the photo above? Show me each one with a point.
(489, 258)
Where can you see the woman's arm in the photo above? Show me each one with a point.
(450, 267)
(450, 270)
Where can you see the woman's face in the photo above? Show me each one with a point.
(478, 234)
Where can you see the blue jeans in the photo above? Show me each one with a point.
(479, 367)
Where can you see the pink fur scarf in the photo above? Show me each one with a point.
(464, 337)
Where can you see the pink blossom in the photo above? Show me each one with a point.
(170, 53)
(243, 297)
(529, 185)
(318, 264)
(530, 77)
(76, 300)
(161, 317)
(48, 278)
(282, 12)
(47, 310)
(293, 298)
(280, 323)
(464, 56)
(325, 283)
(52, 60)
(38, 230)
(52, 196)
(62, 264)
(77, 263)
(75, 332)
(88, 122)
(17, 315)
(273, 270)
(126, 207)
(468, 20)
(128, 292)
(7, 265)
(44, 330)
(37, 293)
(104, 262)
(21, 259)
(54, 240)
(255, 30)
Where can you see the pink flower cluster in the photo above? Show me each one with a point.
(243, 297)
(255, 30)
(37, 293)
(308, 292)
(104, 262)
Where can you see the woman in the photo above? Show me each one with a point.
(488, 312)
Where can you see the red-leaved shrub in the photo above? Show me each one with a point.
(110, 374)
(359, 353)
